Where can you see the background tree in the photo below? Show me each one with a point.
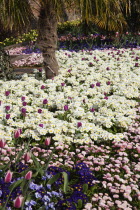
(17, 14)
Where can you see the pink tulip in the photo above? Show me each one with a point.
(2, 143)
(27, 157)
(47, 141)
(18, 201)
(17, 134)
(8, 176)
(28, 176)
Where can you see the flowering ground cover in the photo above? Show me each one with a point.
(72, 142)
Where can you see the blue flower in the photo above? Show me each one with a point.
(29, 208)
(49, 186)
(46, 198)
(38, 195)
(0, 193)
(30, 203)
(34, 186)
(55, 193)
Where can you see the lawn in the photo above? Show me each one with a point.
(72, 142)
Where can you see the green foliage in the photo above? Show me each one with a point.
(6, 70)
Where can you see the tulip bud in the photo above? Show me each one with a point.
(17, 134)
(2, 143)
(92, 85)
(28, 176)
(23, 98)
(7, 93)
(7, 108)
(18, 201)
(8, 176)
(27, 157)
(66, 107)
(39, 110)
(98, 84)
(7, 116)
(47, 141)
(43, 87)
(45, 101)
(79, 124)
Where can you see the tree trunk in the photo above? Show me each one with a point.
(47, 38)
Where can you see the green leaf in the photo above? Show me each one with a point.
(80, 204)
(4, 167)
(53, 179)
(42, 208)
(19, 155)
(35, 161)
(46, 167)
(23, 184)
(65, 175)
(85, 187)
(15, 184)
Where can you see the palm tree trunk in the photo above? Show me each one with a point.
(47, 38)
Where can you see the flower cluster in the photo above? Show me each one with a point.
(99, 99)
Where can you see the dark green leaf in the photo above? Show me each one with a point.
(19, 155)
(35, 161)
(46, 167)
(85, 187)
(80, 204)
(15, 184)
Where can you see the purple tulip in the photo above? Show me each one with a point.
(105, 93)
(98, 84)
(66, 108)
(45, 101)
(24, 103)
(70, 98)
(136, 64)
(69, 70)
(40, 70)
(79, 124)
(106, 97)
(62, 84)
(23, 110)
(7, 108)
(7, 116)
(90, 64)
(39, 111)
(92, 85)
(43, 87)
(41, 125)
(108, 83)
(7, 93)
(23, 98)
(92, 110)
(107, 68)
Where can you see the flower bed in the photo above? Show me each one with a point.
(90, 117)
